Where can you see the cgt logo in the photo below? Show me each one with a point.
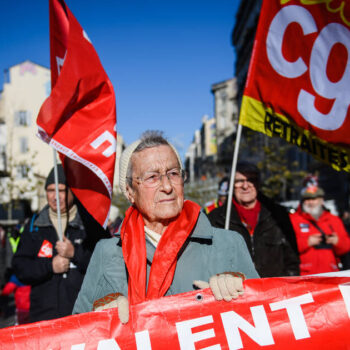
(331, 35)
(45, 250)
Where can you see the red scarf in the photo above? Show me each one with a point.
(249, 217)
(165, 257)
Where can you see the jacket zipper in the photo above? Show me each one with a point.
(252, 243)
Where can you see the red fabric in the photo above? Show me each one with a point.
(22, 295)
(22, 298)
(280, 93)
(213, 205)
(78, 119)
(165, 256)
(249, 217)
(9, 288)
(318, 260)
(274, 313)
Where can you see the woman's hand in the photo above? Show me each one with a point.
(111, 301)
(224, 286)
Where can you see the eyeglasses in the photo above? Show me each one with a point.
(250, 182)
(153, 179)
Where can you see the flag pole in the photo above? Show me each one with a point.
(59, 227)
(59, 224)
(232, 178)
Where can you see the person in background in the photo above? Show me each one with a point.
(14, 286)
(165, 243)
(222, 196)
(53, 268)
(22, 298)
(270, 250)
(114, 220)
(321, 236)
(345, 258)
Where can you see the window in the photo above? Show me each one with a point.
(22, 118)
(22, 171)
(223, 96)
(23, 145)
(6, 76)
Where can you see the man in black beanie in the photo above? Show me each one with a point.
(54, 266)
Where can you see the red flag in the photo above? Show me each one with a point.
(78, 119)
(298, 80)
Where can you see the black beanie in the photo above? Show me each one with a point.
(51, 177)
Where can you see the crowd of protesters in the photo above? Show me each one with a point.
(56, 269)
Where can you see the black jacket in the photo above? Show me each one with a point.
(268, 247)
(52, 295)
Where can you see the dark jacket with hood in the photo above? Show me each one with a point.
(52, 295)
(268, 247)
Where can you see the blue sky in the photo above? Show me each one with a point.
(161, 56)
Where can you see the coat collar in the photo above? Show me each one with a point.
(203, 228)
(43, 219)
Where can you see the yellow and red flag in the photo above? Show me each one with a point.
(298, 85)
(78, 119)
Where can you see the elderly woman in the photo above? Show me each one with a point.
(164, 243)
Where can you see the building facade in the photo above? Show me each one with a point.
(200, 157)
(25, 158)
(210, 153)
(120, 148)
(226, 117)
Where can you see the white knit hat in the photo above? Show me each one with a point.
(125, 159)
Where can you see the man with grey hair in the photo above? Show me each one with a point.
(165, 244)
(321, 236)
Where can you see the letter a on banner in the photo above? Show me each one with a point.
(298, 80)
(78, 119)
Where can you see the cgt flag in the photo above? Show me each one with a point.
(78, 119)
(298, 79)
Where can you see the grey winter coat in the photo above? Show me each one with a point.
(207, 251)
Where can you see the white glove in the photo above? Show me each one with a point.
(227, 285)
(111, 301)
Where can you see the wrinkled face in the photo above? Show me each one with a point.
(313, 206)
(245, 190)
(161, 203)
(65, 196)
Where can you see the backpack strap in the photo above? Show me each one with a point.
(31, 225)
(323, 244)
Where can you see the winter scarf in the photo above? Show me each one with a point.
(249, 217)
(165, 257)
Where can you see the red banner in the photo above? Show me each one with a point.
(298, 80)
(274, 313)
(79, 117)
